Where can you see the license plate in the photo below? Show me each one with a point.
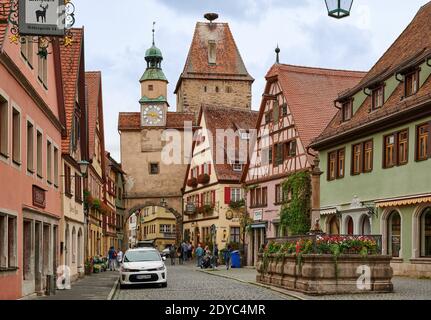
(143, 276)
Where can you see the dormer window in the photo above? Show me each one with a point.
(237, 167)
(377, 98)
(244, 134)
(212, 55)
(347, 110)
(150, 87)
(411, 83)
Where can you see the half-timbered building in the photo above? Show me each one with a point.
(213, 192)
(296, 106)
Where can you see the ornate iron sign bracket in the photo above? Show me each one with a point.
(9, 14)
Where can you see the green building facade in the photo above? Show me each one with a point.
(375, 155)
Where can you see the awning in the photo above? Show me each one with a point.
(258, 226)
(327, 212)
(403, 202)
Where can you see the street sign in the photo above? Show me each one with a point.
(258, 215)
(42, 17)
(190, 208)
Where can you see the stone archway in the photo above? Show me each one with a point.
(178, 216)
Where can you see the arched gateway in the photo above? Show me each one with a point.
(172, 208)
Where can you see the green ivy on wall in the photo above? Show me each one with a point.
(295, 214)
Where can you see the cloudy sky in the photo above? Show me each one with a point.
(118, 33)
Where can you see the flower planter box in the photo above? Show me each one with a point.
(203, 178)
(316, 274)
(192, 183)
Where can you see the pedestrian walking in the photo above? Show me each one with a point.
(216, 255)
(227, 256)
(189, 251)
(184, 248)
(180, 254)
(119, 258)
(112, 256)
(172, 254)
(199, 254)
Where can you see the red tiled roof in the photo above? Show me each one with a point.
(229, 64)
(218, 117)
(132, 120)
(410, 46)
(3, 19)
(70, 64)
(310, 94)
(414, 39)
(93, 82)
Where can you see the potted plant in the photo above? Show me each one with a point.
(203, 178)
(88, 267)
(192, 182)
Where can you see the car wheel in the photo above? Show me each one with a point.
(123, 286)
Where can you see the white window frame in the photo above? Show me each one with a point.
(237, 167)
(30, 171)
(39, 174)
(4, 253)
(236, 194)
(49, 160)
(17, 163)
(55, 164)
(5, 154)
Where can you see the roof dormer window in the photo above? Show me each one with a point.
(347, 110)
(411, 81)
(212, 53)
(377, 98)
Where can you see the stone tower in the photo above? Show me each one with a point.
(151, 180)
(154, 86)
(214, 72)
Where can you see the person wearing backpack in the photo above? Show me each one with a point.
(112, 255)
(199, 254)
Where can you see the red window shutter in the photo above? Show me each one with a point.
(202, 200)
(209, 168)
(203, 169)
(213, 197)
(227, 195)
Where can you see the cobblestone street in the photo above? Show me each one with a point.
(404, 288)
(185, 282)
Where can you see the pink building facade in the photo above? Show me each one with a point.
(31, 123)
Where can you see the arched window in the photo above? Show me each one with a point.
(334, 225)
(426, 233)
(365, 225)
(350, 226)
(74, 245)
(394, 234)
(68, 248)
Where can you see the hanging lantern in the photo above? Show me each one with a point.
(339, 8)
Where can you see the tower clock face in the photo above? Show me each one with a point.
(152, 115)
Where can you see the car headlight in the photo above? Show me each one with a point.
(124, 269)
(161, 268)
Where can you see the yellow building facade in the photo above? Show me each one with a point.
(157, 224)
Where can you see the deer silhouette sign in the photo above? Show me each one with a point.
(41, 14)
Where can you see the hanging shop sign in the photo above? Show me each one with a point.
(42, 17)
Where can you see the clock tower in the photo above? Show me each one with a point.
(154, 85)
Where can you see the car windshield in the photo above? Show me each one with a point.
(141, 256)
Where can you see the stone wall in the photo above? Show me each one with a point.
(323, 274)
(192, 94)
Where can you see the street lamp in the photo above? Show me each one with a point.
(83, 166)
(339, 8)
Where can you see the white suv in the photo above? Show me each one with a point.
(143, 265)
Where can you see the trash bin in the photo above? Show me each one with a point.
(236, 259)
